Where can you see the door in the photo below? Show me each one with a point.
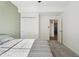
(51, 29)
(60, 36)
(30, 26)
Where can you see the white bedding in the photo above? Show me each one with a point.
(26, 43)
(16, 53)
(2, 37)
(21, 49)
(5, 38)
(10, 43)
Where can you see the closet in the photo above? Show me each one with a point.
(29, 25)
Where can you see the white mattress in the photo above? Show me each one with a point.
(22, 49)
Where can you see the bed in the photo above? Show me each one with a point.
(10, 47)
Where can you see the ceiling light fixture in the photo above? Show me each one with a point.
(39, 1)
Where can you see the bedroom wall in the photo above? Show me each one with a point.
(9, 19)
(71, 26)
(44, 23)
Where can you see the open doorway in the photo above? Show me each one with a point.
(53, 29)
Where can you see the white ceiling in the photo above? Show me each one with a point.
(34, 6)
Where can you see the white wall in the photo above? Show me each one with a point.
(9, 19)
(44, 23)
(71, 26)
(29, 25)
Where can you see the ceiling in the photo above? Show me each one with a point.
(34, 6)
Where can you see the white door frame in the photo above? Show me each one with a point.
(60, 30)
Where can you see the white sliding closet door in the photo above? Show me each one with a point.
(30, 26)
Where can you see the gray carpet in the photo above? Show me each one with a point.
(40, 48)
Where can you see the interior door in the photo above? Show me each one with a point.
(60, 30)
(30, 26)
(51, 29)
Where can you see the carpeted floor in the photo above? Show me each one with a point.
(40, 48)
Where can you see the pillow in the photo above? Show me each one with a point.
(0, 43)
(5, 38)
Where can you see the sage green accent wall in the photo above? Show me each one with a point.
(9, 19)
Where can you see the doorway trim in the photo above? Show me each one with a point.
(59, 40)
